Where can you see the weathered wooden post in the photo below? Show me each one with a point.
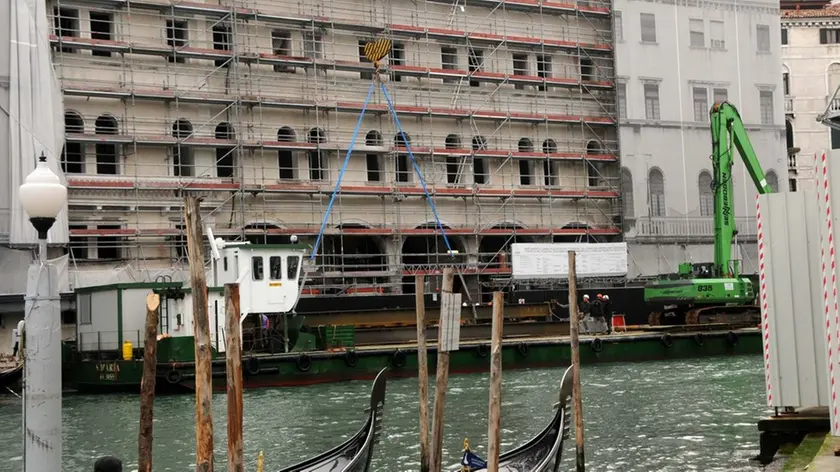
(449, 331)
(233, 358)
(573, 328)
(494, 433)
(422, 371)
(203, 373)
(147, 384)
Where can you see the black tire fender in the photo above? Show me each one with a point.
(699, 339)
(399, 358)
(173, 376)
(597, 345)
(351, 358)
(732, 338)
(303, 363)
(523, 349)
(666, 340)
(482, 350)
(252, 365)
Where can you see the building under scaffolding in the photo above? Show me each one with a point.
(508, 105)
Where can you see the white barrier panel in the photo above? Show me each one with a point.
(828, 188)
(791, 298)
(551, 260)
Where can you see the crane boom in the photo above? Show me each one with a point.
(728, 130)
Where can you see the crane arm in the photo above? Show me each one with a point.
(728, 131)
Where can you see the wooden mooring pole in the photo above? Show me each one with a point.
(422, 371)
(494, 432)
(574, 322)
(441, 378)
(233, 358)
(147, 385)
(203, 373)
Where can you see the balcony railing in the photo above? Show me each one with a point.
(792, 162)
(682, 229)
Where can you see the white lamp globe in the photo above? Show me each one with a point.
(42, 196)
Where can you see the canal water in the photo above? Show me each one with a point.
(666, 416)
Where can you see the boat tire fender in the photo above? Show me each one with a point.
(597, 344)
(732, 338)
(666, 340)
(523, 349)
(253, 366)
(303, 363)
(173, 376)
(399, 358)
(699, 339)
(351, 358)
(482, 350)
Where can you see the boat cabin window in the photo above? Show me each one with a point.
(224, 262)
(257, 268)
(276, 266)
(292, 270)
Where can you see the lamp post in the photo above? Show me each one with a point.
(42, 196)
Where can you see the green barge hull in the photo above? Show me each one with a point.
(305, 368)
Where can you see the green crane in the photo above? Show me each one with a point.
(714, 292)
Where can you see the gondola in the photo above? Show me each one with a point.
(540, 454)
(10, 377)
(353, 455)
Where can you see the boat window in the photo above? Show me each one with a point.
(83, 311)
(257, 267)
(292, 271)
(224, 260)
(276, 266)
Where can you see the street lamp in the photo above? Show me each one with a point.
(43, 197)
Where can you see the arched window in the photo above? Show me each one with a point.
(317, 157)
(707, 196)
(182, 157)
(549, 168)
(106, 153)
(627, 193)
(453, 141)
(374, 160)
(286, 158)
(526, 166)
(772, 180)
(73, 158)
(401, 142)
(225, 155)
(594, 169)
(656, 188)
(480, 171)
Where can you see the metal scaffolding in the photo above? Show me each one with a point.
(509, 107)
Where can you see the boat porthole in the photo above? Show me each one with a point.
(304, 363)
(173, 376)
(698, 338)
(666, 340)
(732, 338)
(597, 344)
(523, 349)
(482, 350)
(253, 366)
(351, 359)
(398, 359)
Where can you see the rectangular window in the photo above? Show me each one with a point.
(317, 167)
(292, 267)
(403, 173)
(619, 27)
(526, 172)
(449, 61)
(621, 99)
(101, 29)
(648, 21)
(543, 68)
(83, 311)
(281, 45)
(652, 101)
(275, 265)
(313, 46)
(66, 24)
(520, 67)
(784, 36)
(480, 175)
(108, 247)
(222, 41)
(721, 95)
(786, 83)
(364, 75)
(829, 35)
(762, 37)
(696, 33)
(701, 104)
(476, 63)
(717, 33)
(835, 138)
(453, 170)
(374, 168)
(176, 38)
(397, 59)
(78, 244)
(256, 268)
(765, 100)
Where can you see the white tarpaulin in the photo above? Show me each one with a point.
(31, 114)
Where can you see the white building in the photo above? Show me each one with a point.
(672, 62)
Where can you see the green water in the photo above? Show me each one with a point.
(655, 416)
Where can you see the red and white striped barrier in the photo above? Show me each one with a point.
(765, 315)
(830, 305)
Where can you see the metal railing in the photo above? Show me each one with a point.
(684, 228)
